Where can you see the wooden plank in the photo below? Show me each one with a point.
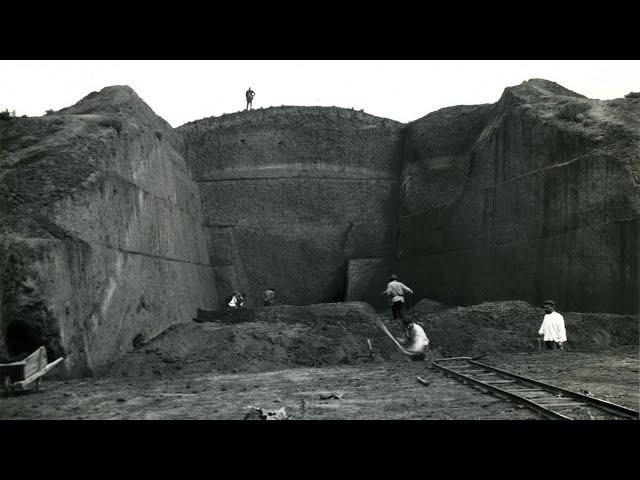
(501, 381)
(20, 385)
(525, 390)
(35, 362)
(550, 395)
(21, 370)
(12, 364)
(542, 397)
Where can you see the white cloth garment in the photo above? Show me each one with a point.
(396, 291)
(234, 302)
(553, 328)
(417, 337)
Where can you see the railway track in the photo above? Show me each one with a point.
(549, 401)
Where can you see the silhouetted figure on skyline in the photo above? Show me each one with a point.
(250, 94)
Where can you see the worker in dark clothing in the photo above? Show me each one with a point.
(268, 297)
(396, 290)
(250, 94)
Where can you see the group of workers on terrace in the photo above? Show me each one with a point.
(552, 330)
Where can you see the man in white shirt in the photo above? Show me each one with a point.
(552, 328)
(236, 301)
(416, 340)
(396, 291)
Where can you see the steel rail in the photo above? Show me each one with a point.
(603, 404)
(608, 407)
(524, 401)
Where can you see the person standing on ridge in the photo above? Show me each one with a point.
(250, 94)
(552, 328)
(396, 290)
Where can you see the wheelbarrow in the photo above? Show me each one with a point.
(17, 376)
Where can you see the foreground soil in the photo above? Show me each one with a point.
(375, 390)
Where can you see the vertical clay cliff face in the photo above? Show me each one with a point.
(104, 242)
(101, 240)
(291, 194)
(540, 198)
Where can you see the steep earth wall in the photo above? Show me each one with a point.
(533, 197)
(537, 196)
(291, 194)
(101, 242)
(104, 242)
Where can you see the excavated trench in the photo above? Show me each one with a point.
(467, 204)
(324, 335)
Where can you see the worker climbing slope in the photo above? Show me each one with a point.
(396, 290)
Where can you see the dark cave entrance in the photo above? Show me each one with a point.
(22, 338)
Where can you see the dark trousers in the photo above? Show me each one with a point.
(551, 345)
(396, 308)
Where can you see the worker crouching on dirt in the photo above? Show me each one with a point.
(552, 328)
(396, 291)
(236, 301)
(416, 341)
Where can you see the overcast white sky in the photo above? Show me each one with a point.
(403, 90)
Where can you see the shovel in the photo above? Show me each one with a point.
(411, 355)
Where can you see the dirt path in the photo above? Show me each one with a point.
(382, 390)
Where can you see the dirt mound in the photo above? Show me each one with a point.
(426, 305)
(281, 337)
(512, 326)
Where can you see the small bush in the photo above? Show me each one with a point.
(5, 115)
(49, 112)
(632, 95)
(570, 111)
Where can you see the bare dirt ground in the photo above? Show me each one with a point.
(375, 390)
(296, 357)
